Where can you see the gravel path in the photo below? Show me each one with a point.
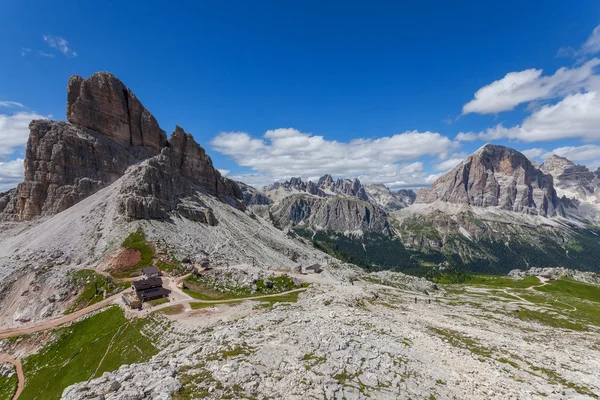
(20, 375)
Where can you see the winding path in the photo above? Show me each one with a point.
(20, 374)
(26, 330)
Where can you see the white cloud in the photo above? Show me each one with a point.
(448, 164)
(25, 51)
(57, 42)
(534, 153)
(466, 137)
(592, 44)
(223, 172)
(575, 116)
(11, 104)
(282, 153)
(577, 154)
(14, 131)
(529, 85)
(11, 174)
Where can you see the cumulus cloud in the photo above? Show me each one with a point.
(592, 44)
(448, 164)
(14, 131)
(579, 154)
(575, 116)
(11, 174)
(282, 153)
(534, 153)
(59, 43)
(529, 85)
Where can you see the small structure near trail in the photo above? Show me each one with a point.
(150, 289)
(311, 269)
(151, 272)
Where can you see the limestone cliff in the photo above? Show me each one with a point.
(497, 176)
(338, 214)
(108, 131)
(574, 181)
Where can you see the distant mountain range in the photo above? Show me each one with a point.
(495, 211)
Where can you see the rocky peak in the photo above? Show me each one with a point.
(573, 180)
(108, 131)
(325, 181)
(556, 163)
(104, 104)
(497, 176)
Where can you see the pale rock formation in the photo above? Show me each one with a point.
(574, 181)
(497, 176)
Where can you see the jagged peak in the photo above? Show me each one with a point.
(104, 104)
(556, 159)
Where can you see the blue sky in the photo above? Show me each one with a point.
(301, 88)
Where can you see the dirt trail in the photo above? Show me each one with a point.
(172, 303)
(26, 330)
(20, 374)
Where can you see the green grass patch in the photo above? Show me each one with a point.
(136, 241)
(85, 350)
(172, 310)
(158, 302)
(569, 287)
(457, 339)
(502, 281)
(8, 385)
(551, 319)
(92, 287)
(204, 287)
(199, 306)
(286, 298)
(555, 378)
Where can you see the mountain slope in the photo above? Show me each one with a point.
(110, 172)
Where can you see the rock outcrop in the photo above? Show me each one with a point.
(376, 194)
(252, 197)
(108, 131)
(104, 104)
(497, 176)
(338, 214)
(574, 181)
(170, 181)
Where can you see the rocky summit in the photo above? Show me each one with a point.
(497, 176)
(109, 130)
(574, 181)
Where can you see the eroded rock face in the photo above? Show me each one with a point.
(170, 181)
(575, 181)
(497, 176)
(376, 194)
(66, 163)
(252, 197)
(108, 131)
(104, 104)
(339, 214)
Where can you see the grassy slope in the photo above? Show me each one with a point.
(203, 288)
(91, 285)
(562, 303)
(76, 352)
(568, 287)
(136, 241)
(8, 386)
